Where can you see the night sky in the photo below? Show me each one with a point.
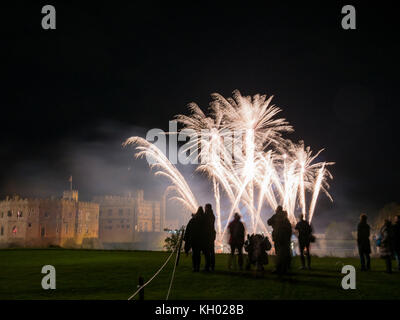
(124, 65)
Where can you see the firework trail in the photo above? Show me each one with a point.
(167, 169)
(239, 145)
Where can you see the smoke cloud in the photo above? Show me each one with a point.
(100, 165)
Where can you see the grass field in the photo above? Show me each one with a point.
(85, 274)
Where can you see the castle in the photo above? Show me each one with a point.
(130, 221)
(48, 222)
(114, 221)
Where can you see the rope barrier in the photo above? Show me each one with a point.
(155, 275)
(178, 245)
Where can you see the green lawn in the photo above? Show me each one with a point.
(85, 274)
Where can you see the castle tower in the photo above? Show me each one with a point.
(71, 195)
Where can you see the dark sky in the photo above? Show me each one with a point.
(129, 67)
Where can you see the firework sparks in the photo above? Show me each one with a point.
(240, 146)
(167, 169)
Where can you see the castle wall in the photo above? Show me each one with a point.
(123, 218)
(117, 218)
(47, 222)
(149, 216)
(50, 215)
(13, 221)
(67, 222)
(87, 221)
(32, 223)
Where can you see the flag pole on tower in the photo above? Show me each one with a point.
(70, 182)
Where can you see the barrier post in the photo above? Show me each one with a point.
(141, 292)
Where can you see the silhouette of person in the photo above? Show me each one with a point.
(386, 249)
(364, 246)
(281, 234)
(304, 235)
(210, 235)
(257, 246)
(236, 239)
(194, 238)
(396, 239)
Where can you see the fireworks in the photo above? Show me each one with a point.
(239, 144)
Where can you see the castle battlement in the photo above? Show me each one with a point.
(114, 199)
